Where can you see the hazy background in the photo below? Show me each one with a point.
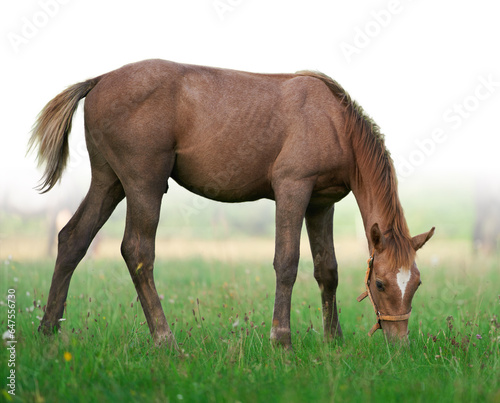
(428, 72)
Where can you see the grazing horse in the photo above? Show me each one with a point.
(231, 136)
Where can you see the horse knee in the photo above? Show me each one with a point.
(333, 277)
(128, 249)
(138, 256)
(286, 268)
(326, 275)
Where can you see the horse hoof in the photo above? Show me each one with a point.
(47, 329)
(168, 340)
(281, 337)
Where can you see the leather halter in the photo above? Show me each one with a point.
(367, 293)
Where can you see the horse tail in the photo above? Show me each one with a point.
(51, 130)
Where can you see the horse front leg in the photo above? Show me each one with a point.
(291, 203)
(319, 223)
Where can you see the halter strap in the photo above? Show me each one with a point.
(367, 293)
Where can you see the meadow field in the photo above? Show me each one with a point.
(218, 295)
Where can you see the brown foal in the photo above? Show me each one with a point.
(231, 136)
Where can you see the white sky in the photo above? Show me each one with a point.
(421, 66)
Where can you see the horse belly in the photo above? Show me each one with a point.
(221, 178)
(230, 129)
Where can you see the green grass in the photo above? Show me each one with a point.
(221, 312)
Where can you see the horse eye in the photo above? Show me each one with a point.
(380, 285)
(419, 283)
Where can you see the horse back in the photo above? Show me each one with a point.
(232, 133)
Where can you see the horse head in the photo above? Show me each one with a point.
(390, 284)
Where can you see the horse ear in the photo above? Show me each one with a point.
(378, 239)
(420, 240)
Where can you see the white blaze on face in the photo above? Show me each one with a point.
(403, 277)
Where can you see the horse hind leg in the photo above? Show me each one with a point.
(138, 248)
(75, 238)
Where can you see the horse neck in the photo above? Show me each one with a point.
(378, 202)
